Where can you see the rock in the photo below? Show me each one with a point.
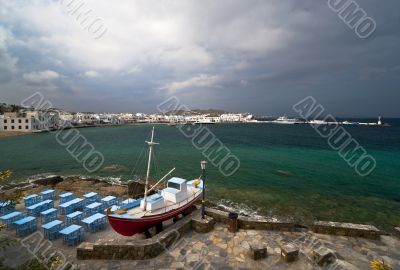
(397, 231)
(245, 245)
(258, 251)
(203, 225)
(49, 181)
(223, 253)
(323, 256)
(135, 188)
(175, 265)
(289, 252)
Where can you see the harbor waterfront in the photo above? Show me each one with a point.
(285, 170)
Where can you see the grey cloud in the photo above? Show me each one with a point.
(260, 56)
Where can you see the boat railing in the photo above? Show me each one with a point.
(174, 206)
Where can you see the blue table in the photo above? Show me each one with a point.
(91, 197)
(95, 222)
(109, 200)
(49, 194)
(75, 217)
(71, 206)
(51, 229)
(40, 207)
(25, 226)
(93, 208)
(48, 215)
(10, 218)
(32, 199)
(73, 235)
(67, 196)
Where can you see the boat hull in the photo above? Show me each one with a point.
(132, 226)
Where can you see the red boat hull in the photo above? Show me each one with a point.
(130, 226)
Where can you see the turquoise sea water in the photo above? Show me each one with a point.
(284, 170)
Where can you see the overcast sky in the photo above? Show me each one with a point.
(251, 56)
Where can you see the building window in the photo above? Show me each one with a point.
(12, 120)
(12, 127)
(26, 127)
(5, 127)
(5, 121)
(19, 121)
(19, 127)
(26, 121)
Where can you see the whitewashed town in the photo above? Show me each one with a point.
(31, 120)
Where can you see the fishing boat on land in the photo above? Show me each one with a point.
(139, 215)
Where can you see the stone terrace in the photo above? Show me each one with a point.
(220, 249)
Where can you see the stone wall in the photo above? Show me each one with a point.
(253, 224)
(346, 229)
(137, 250)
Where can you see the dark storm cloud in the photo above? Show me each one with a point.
(259, 56)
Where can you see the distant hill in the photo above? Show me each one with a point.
(4, 107)
(211, 112)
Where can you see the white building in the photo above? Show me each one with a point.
(86, 118)
(65, 119)
(231, 117)
(29, 121)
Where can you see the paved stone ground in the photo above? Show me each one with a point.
(220, 249)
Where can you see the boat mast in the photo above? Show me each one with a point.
(151, 144)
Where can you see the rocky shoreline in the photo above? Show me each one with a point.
(123, 190)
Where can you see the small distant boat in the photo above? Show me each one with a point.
(172, 124)
(204, 122)
(286, 121)
(317, 122)
(349, 123)
(142, 214)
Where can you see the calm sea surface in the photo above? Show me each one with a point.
(285, 170)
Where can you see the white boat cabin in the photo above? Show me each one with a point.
(176, 190)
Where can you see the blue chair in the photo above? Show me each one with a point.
(49, 194)
(109, 201)
(36, 209)
(91, 197)
(66, 197)
(74, 218)
(32, 199)
(95, 222)
(6, 208)
(10, 218)
(73, 235)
